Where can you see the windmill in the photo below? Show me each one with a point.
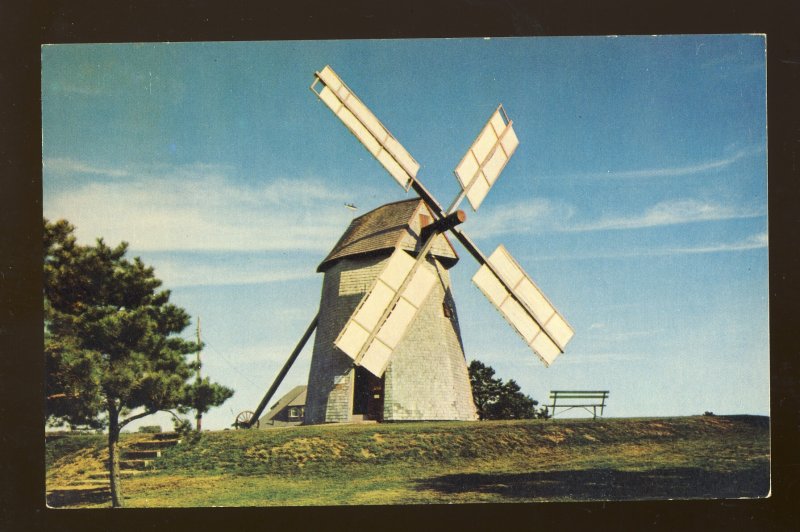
(388, 345)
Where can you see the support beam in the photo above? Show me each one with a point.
(272, 389)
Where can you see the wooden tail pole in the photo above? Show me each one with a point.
(283, 372)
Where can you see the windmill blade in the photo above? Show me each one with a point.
(365, 126)
(384, 315)
(486, 158)
(523, 305)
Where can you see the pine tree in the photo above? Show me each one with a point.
(496, 399)
(112, 353)
(512, 403)
(485, 388)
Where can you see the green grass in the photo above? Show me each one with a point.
(64, 445)
(447, 462)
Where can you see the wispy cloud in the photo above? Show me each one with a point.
(195, 273)
(536, 215)
(669, 213)
(198, 207)
(754, 242)
(67, 166)
(542, 215)
(674, 171)
(759, 241)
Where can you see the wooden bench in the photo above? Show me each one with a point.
(586, 399)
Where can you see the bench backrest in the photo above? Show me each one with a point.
(569, 399)
(579, 394)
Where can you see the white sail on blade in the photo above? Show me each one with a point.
(365, 126)
(523, 305)
(386, 312)
(486, 158)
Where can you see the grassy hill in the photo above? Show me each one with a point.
(442, 462)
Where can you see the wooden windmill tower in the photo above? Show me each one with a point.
(388, 345)
(340, 391)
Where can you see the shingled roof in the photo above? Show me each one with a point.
(294, 397)
(387, 227)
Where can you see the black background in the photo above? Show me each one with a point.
(24, 26)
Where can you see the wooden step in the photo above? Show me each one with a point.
(167, 436)
(136, 463)
(152, 444)
(103, 475)
(94, 485)
(100, 482)
(134, 454)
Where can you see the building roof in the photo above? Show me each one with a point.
(295, 397)
(390, 226)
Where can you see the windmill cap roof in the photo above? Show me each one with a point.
(390, 226)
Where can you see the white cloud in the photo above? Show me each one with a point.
(753, 242)
(69, 166)
(758, 241)
(690, 169)
(519, 218)
(540, 215)
(669, 213)
(197, 207)
(194, 273)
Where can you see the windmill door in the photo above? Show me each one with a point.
(368, 395)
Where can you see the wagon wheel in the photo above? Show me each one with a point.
(243, 420)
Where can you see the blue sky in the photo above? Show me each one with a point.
(636, 199)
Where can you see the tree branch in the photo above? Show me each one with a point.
(137, 416)
(173, 414)
(147, 413)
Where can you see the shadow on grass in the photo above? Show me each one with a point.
(609, 484)
(78, 496)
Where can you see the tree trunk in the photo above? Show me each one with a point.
(113, 457)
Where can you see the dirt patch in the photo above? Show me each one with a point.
(366, 453)
(76, 467)
(718, 422)
(173, 482)
(660, 429)
(555, 438)
(298, 451)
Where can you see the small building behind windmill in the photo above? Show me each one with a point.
(288, 410)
